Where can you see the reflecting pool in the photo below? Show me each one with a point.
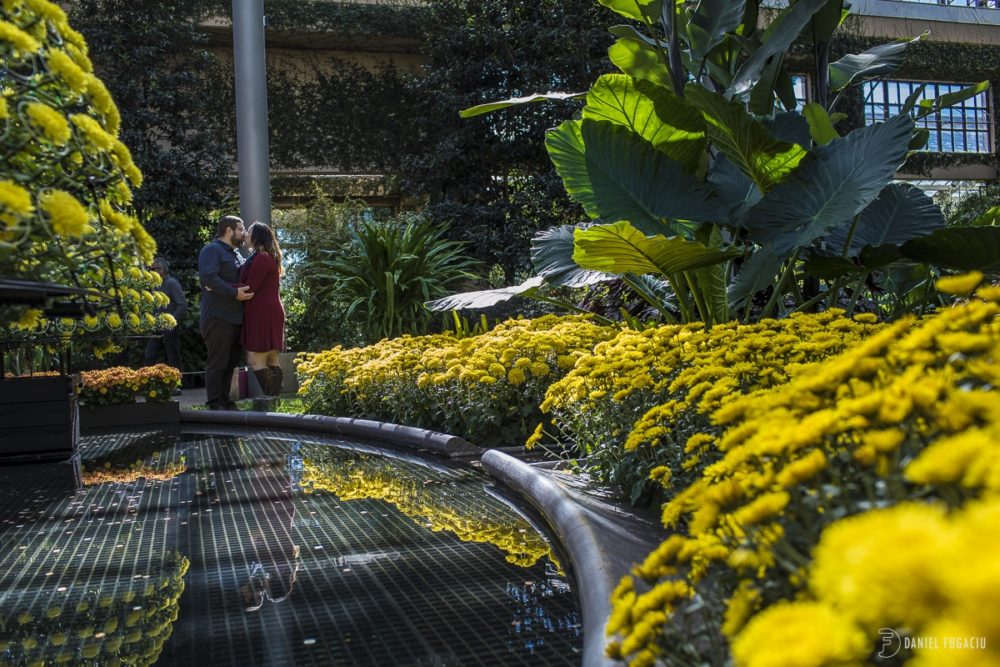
(272, 549)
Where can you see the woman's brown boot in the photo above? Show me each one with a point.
(263, 376)
(264, 403)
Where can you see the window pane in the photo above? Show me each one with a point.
(965, 127)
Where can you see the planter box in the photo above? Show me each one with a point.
(129, 414)
(39, 418)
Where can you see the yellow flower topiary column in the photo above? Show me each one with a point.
(66, 181)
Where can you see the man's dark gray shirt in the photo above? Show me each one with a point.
(219, 269)
(178, 303)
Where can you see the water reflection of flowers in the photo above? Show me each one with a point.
(127, 625)
(425, 502)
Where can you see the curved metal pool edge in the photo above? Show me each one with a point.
(443, 444)
(595, 577)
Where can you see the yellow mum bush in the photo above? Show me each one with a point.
(66, 178)
(486, 388)
(931, 577)
(633, 403)
(911, 412)
(121, 384)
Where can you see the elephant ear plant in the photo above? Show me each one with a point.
(697, 169)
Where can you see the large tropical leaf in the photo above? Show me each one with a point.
(820, 126)
(964, 248)
(744, 140)
(616, 175)
(733, 188)
(990, 218)
(777, 39)
(789, 126)
(710, 22)
(759, 272)
(836, 183)
(827, 266)
(480, 109)
(900, 212)
(640, 10)
(641, 61)
(486, 298)
(826, 20)
(749, 23)
(630, 32)
(762, 94)
(621, 248)
(652, 112)
(552, 257)
(876, 61)
(929, 107)
(784, 88)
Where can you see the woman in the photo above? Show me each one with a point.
(263, 315)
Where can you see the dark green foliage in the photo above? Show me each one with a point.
(315, 316)
(388, 271)
(153, 61)
(489, 177)
(383, 18)
(964, 211)
(926, 60)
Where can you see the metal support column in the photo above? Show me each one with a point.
(251, 111)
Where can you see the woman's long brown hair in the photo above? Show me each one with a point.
(262, 238)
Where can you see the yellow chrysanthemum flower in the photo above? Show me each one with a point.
(52, 124)
(29, 320)
(21, 40)
(48, 11)
(881, 581)
(165, 322)
(67, 216)
(959, 285)
(516, 377)
(145, 243)
(101, 99)
(93, 133)
(122, 222)
(80, 57)
(68, 70)
(803, 634)
(4, 111)
(15, 203)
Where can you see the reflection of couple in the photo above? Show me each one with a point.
(273, 585)
(241, 307)
(271, 555)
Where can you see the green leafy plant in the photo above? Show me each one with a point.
(389, 269)
(695, 166)
(314, 312)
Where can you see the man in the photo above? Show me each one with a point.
(170, 341)
(222, 309)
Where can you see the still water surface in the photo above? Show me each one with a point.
(272, 549)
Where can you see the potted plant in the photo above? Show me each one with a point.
(122, 396)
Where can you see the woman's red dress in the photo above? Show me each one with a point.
(263, 315)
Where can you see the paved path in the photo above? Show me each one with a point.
(191, 397)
